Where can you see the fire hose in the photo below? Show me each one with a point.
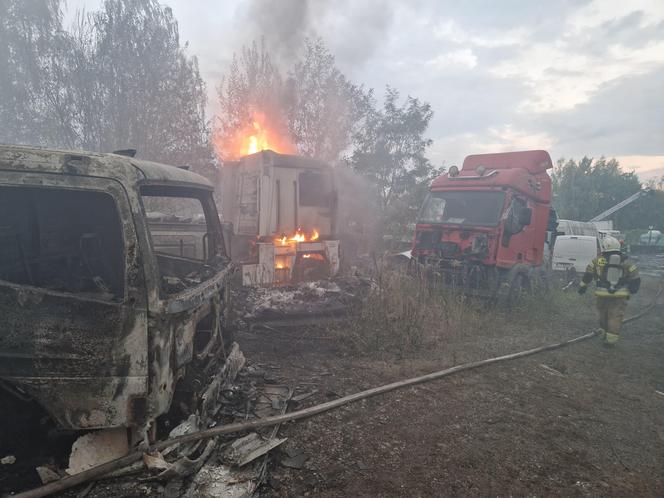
(106, 468)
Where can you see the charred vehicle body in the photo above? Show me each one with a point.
(484, 227)
(283, 213)
(101, 323)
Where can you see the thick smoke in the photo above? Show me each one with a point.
(283, 24)
(351, 29)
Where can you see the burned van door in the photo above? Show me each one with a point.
(72, 301)
(186, 344)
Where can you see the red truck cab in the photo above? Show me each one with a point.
(486, 224)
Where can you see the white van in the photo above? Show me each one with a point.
(574, 252)
(571, 227)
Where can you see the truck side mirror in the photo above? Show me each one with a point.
(525, 216)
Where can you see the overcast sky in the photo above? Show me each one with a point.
(575, 77)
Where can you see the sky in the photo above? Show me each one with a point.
(574, 77)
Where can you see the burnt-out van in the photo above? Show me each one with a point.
(102, 322)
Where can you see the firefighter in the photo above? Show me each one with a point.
(616, 278)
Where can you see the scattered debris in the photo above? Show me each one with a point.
(292, 304)
(242, 402)
(95, 448)
(245, 450)
(271, 400)
(660, 393)
(8, 460)
(192, 424)
(155, 462)
(186, 466)
(47, 474)
(215, 481)
(303, 396)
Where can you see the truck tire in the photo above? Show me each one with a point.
(541, 281)
(514, 286)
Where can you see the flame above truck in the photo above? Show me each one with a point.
(484, 227)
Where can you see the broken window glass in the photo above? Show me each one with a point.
(314, 189)
(182, 238)
(61, 239)
(177, 226)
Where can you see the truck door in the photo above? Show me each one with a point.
(73, 326)
(186, 312)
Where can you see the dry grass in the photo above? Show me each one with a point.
(405, 315)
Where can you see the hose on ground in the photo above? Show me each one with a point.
(101, 470)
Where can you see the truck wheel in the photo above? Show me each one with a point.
(541, 281)
(519, 287)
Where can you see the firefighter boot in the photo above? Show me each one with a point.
(601, 333)
(611, 339)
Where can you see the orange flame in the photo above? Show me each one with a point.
(256, 142)
(281, 262)
(259, 133)
(314, 256)
(298, 236)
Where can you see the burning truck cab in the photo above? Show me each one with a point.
(105, 324)
(485, 225)
(282, 209)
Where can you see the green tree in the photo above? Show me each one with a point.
(390, 152)
(324, 108)
(30, 40)
(137, 85)
(119, 79)
(585, 188)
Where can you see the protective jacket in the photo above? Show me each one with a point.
(614, 275)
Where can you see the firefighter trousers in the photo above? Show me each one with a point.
(611, 314)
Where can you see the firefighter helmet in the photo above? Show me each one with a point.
(609, 244)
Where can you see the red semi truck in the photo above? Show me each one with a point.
(484, 227)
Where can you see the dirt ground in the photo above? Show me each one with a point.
(579, 421)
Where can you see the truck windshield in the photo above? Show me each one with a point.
(462, 208)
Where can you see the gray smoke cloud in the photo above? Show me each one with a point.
(283, 24)
(352, 30)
